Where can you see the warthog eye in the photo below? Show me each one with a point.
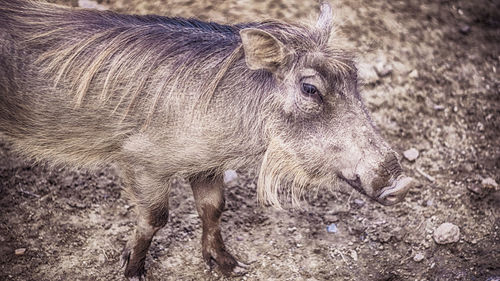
(311, 91)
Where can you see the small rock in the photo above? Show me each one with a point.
(438, 107)
(89, 4)
(465, 29)
(428, 203)
(332, 228)
(359, 202)
(480, 126)
(68, 181)
(76, 204)
(354, 255)
(20, 251)
(468, 167)
(230, 176)
(418, 257)
(413, 74)
(447, 233)
(489, 183)
(474, 188)
(411, 154)
(382, 69)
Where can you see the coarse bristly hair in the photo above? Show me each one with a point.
(134, 48)
(152, 58)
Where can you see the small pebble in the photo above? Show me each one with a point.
(428, 203)
(474, 188)
(468, 167)
(332, 228)
(465, 29)
(230, 176)
(489, 183)
(411, 154)
(359, 202)
(76, 204)
(68, 181)
(354, 255)
(413, 74)
(438, 107)
(383, 69)
(418, 257)
(446, 233)
(20, 251)
(480, 126)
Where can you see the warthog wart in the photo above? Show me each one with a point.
(167, 97)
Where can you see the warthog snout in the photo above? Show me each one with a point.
(388, 186)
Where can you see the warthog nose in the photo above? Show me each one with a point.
(391, 165)
(394, 193)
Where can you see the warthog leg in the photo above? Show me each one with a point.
(209, 197)
(152, 215)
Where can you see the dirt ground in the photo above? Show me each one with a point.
(442, 97)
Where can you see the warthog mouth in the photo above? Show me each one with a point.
(395, 193)
(388, 195)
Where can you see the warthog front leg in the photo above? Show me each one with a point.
(151, 198)
(209, 197)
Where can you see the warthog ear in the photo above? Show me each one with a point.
(325, 20)
(262, 50)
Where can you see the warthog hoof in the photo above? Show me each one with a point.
(134, 270)
(225, 263)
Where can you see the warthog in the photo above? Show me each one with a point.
(165, 97)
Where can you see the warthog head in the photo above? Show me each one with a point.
(318, 127)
